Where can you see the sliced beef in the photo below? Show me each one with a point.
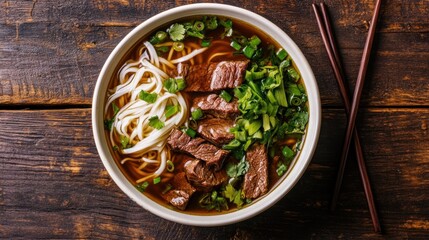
(256, 179)
(214, 105)
(180, 192)
(216, 130)
(213, 76)
(197, 147)
(202, 177)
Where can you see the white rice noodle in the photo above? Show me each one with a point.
(166, 62)
(152, 53)
(189, 56)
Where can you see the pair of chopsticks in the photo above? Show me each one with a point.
(350, 106)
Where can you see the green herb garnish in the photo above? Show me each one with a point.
(155, 122)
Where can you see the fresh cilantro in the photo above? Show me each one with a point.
(155, 122)
(236, 170)
(233, 195)
(177, 32)
(148, 97)
(108, 123)
(213, 201)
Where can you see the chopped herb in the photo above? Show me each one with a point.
(190, 132)
(156, 180)
(281, 54)
(233, 195)
(248, 51)
(148, 97)
(161, 35)
(124, 141)
(115, 148)
(142, 187)
(288, 153)
(254, 41)
(293, 74)
(171, 110)
(226, 96)
(281, 169)
(205, 43)
(211, 22)
(108, 123)
(178, 46)
(198, 26)
(174, 85)
(155, 122)
(213, 201)
(197, 114)
(232, 145)
(167, 188)
(235, 45)
(236, 170)
(176, 32)
(163, 49)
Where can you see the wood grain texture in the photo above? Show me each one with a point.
(53, 185)
(51, 52)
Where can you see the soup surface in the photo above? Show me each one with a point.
(206, 114)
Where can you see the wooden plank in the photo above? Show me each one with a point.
(50, 56)
(53, 185)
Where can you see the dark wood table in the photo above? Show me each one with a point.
(52, 181)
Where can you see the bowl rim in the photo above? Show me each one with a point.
(242, 14)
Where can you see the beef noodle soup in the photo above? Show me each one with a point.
(206, 114)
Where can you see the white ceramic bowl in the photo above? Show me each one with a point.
(299, 165)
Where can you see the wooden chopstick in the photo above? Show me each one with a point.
(328, 39)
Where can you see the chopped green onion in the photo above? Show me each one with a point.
(293, 74)
(124, 141)
(232, 145)
(254, 127)
(248, 51)
(205, 43)
(163, 49)
(226, 96)
(170, 166)
(273, 121)
(197, 114)
(287, 153)
(148, 97)
(281, 54)
(254, 41)
(257, 135)
(178, 46)
(280, 95)
(161, 35)
(171, 110)
(271, 97)
(167, 188)
(211, 23)
(226, 23)
(235, 45)
(142, 187)
(281, 169)
(247, 144)
(156, 180)
(190, 132)
(266, 122)
(181, 84)
(155, 122)
(198, 26)
(295, 100)
(174, 85)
